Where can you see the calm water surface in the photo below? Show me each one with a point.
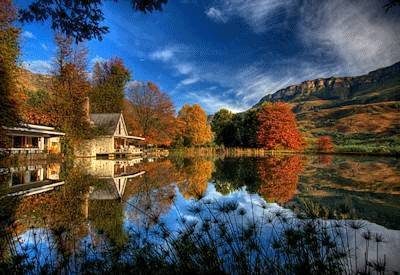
(89, 203)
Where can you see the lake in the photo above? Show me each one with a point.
(90, 214)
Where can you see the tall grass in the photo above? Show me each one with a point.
(212, 236)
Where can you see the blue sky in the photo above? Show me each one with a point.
(230, 53)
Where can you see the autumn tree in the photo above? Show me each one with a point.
(325, 144)
(70, 88)
(9, 52)
(278, 127)
(150, 113)
(196, 130)
(109, 80)
(38, 108)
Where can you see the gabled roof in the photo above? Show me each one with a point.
(107, 122)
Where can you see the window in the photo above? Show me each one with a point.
(25, 142)
(17, 142)
(35, 142)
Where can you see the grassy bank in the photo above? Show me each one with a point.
(227, 151)
(351, 149)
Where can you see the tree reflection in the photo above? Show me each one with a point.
(60, 211)
(152, 193)
(197, 173)
(325, 160)
(279, 177)
(232, 173)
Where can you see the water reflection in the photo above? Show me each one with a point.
(31, 179)
(117, 208)
(279, 177)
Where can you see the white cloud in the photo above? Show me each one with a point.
(184, 68)
(216, 15)
(256, 13)
(213, 102)
(163, 55)
(38, 66)
(190, 80)
(96, 59)
(27, 34)
(359, 33)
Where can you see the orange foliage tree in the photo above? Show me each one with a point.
(278, 127)
(279, 177)
(9, 53)
(70, 88)
(325, 144)
(150, 113)
(195, 129)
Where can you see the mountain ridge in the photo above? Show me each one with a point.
(335, 88)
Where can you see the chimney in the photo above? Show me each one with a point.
(86, 108)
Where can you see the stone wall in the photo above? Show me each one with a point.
(99, 145)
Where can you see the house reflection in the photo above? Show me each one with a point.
(112, 174)
(33, 179)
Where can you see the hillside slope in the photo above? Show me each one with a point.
(354, 110)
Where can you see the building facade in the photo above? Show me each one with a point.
(31, 139)
(113, 138)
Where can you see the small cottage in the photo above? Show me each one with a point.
(31, 139)
(113, 139)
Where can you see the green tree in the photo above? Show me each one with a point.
(249, 128)
(9, 52)
(235, 130)
(109, 80)
(219, 124)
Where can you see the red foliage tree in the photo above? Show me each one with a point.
(278, 127)
(325, 144)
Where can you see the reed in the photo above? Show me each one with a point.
(221, 237)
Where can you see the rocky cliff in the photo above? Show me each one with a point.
(340, 88)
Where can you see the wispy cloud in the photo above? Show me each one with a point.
(38, 66)
(334, 38)
(256, 13)
(190, 80)
(236, 88)
(212, 102)
(216, 15)
(28, 35)
(359, 34)
(44, 46)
